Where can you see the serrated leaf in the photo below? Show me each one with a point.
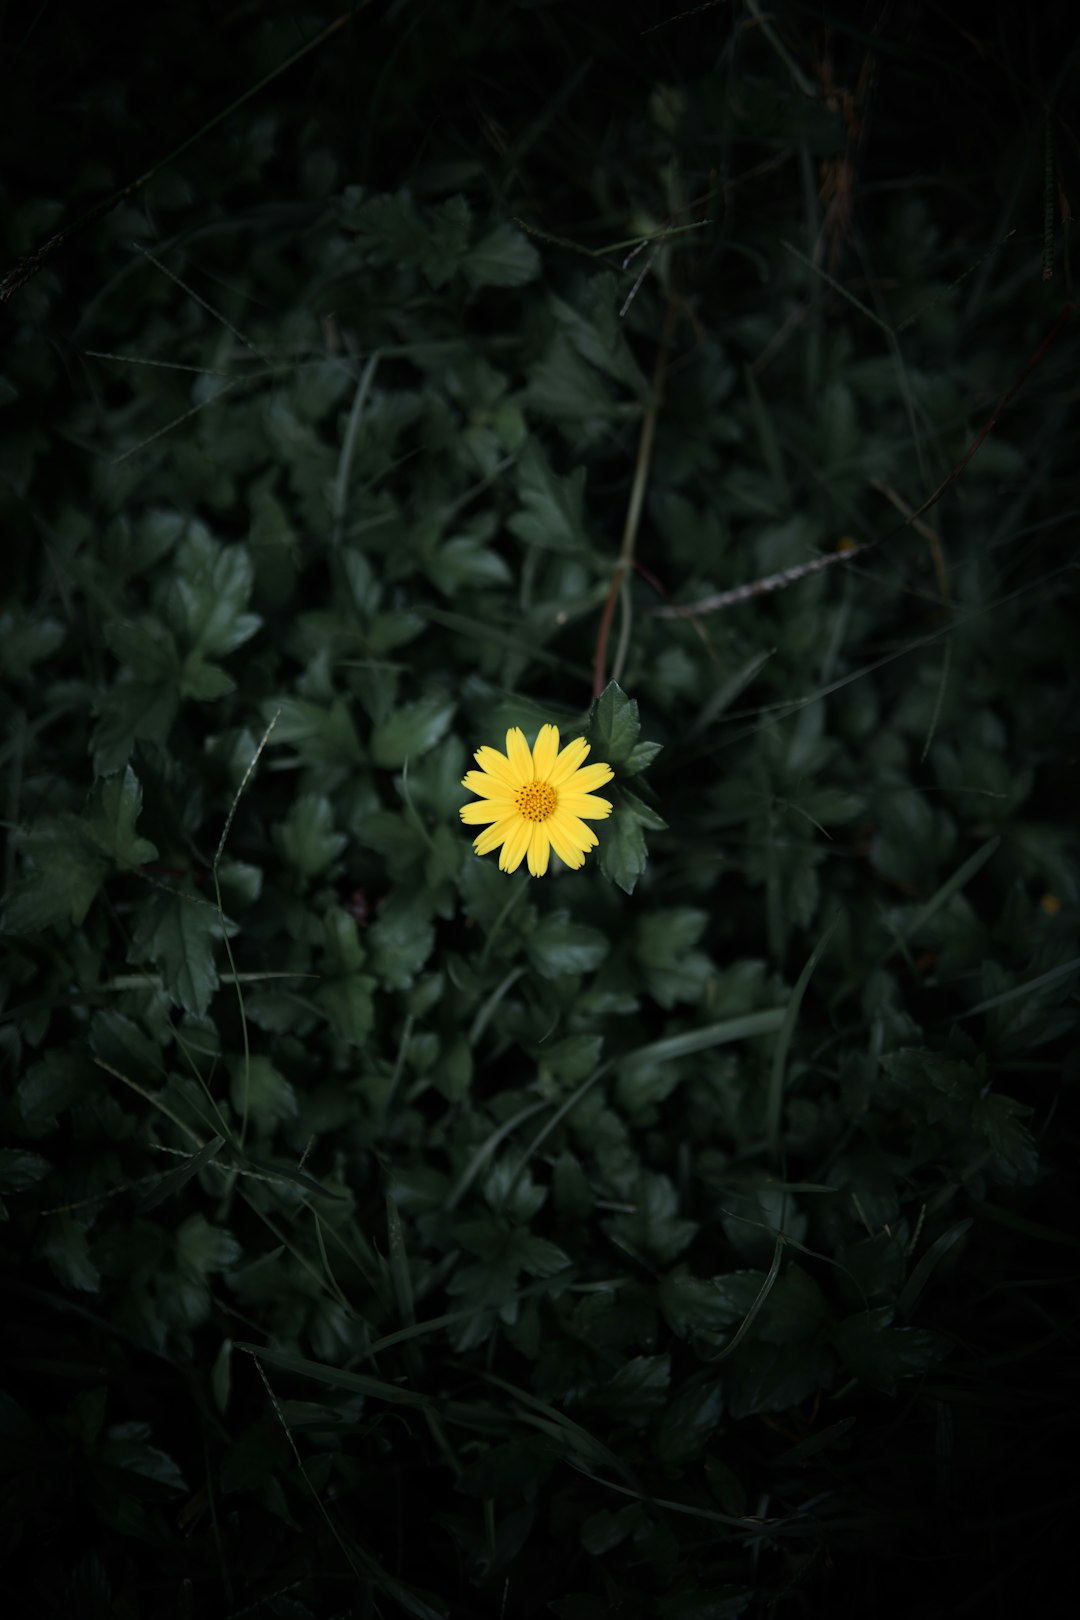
(411, 731)
(66, 873)
(552, 505)
(349, 1007)
(146, 647)
(132, 711)
(613, 725)
(306, 839)
(643, 813)
(114, 808)
(127, 1450)
(774, 1377)
(998, 1120)
(558, 946)
(881, 1354)
(202, 681)
(447, 240)
(566, 389)
(177, 933)
(597, 333)
(257, 1088)
(502, 258)
(202, 1248)
(65, 1246)
(209, 594)
(640, 758)
(402, 939)
(623, 855)
(637, 1390)
(20, 1170)
(572, 1058)
(538, 1256)
(27, 640)
(465, 562)
(655, 1228)
(689, 1420)
(322, 735)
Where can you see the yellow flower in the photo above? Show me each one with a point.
(535, 800)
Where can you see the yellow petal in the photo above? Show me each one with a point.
(481, 810)
(517, 842)
(571, 830)
(539, 849)
(493, 836)
(593, 776)
(488, 787)
(545, 749)
(568, 761)
(585, 804)
(563, 848)
(495, 764)
(519, 754)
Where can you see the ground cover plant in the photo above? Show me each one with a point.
(680, 1223)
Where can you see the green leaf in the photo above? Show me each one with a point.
(411, 731)
(202, 681)
(998, 1120)
(114, 808)
(20, 1170)
(613, 725)
(345, 996)
(132, 711)
(725, 1602)
(447, 241)
(177, 933)
(209, 594)
(655, 1228)
(637, 1390)
(793, 1309)
(539, 1257)
(694, 1304)
(881, 1354)
(557, 946)
(597, 332)
(258, 1089)
(402, 939)
(571, 1059)
(64, 1244)
(66, 873)
(146, 647)
(552, 505)
(322, 736)
(642, 813)
(306, 839)
(623, 855)
(664, 943)
(689, 1421)
(502, 258)
(202, 1248)
(27, 640)
(640, 758)
(125, 1448)
(567, 390)
(773, 1378)
(466, 563)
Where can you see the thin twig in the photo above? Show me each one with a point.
(637, 498)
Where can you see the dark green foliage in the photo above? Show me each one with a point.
(684, 1237)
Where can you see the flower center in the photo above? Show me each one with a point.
(536, 801)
